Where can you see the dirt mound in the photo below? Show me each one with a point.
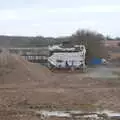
(28, 85)
(11, 70)
(14, 69)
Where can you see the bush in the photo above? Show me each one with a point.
(93, 41)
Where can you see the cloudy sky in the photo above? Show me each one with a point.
(59, 17)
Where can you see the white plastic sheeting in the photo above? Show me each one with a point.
(59, 48)
(75, 58)
(70, 113)
(72, 57)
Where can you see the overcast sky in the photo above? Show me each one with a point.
(59, 17)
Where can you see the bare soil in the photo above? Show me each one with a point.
(26, 86)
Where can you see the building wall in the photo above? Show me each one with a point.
(113, 48)
(112, 43)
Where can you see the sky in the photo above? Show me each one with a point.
(59, 17)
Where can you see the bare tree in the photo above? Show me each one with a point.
(93, 41)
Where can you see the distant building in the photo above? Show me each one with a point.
(113, 48)
(112, 43)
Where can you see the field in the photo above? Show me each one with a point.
(26, 87)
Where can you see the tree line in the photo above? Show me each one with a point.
(93, 41)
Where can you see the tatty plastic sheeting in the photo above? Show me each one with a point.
(74, 59)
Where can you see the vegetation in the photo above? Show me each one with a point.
(92, 40)
(79, 36)
(94, 43)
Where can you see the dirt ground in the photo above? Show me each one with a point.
(25, 87)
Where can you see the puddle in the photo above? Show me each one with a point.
(110, 113)
(54, 113)
(77, 113)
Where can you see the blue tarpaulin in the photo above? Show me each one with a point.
(96, 61)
